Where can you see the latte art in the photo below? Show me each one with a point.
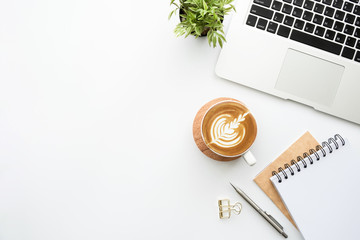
(228, 128)
(227, 131)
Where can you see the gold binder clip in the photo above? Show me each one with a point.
(225, 208)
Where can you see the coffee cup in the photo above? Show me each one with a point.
(224, 129)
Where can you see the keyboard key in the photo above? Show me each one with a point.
(330, 34)
(338, 26)
(349, 29)
(308, 5)
(348, 53)
(316, 42)
(358, 44)
(272, 27)
(276, 5)
(298, 2)
(262, 12)
(357, 22)
(354, 1)
(318, 19)
(309, 27)
(338, 3)
(297, 12)
(319, 8)
(327, 2)
(357, 33)
(350, 18)
(350, 41)
(308, 16)
(357, 10)
(261, 24)
(284, 31)
(287, 9)
(251, 20)
(339, 15)
(348, 6)
(328, 22)
(299, 24)
(288, 1)
(265, 3)
(340, 38)
(278, 17)
(357, 56)
(319, 31)
(329, 11)
(289, 21)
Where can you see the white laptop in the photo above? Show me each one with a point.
(304, 50)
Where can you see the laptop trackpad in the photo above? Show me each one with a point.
(309, 77)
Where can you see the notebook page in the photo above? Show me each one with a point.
(324, 198)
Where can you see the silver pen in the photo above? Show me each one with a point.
(265, 215)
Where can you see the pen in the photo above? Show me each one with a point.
(265, 215)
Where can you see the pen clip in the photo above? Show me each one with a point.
(276, 222)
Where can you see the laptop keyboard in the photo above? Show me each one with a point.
(329, 25)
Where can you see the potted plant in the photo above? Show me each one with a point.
(202, 18)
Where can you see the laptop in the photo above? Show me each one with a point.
(304, 50)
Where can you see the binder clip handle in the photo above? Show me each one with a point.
(225, 208)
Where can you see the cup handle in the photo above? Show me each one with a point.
(249, 158)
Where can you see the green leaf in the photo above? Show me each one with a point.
(220, 42)
(171, 13)
(198, 30)
(209, 38)
(205, 5)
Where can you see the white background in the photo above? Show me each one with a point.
(97, 100)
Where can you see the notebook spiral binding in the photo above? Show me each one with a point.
(314, 153)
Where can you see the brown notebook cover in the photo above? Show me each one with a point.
(303, 144)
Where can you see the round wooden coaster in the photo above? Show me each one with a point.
(197, 130)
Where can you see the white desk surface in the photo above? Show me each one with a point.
(97, 100)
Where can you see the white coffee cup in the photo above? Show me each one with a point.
(224, 129)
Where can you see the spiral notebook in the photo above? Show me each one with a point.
(321, 190)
